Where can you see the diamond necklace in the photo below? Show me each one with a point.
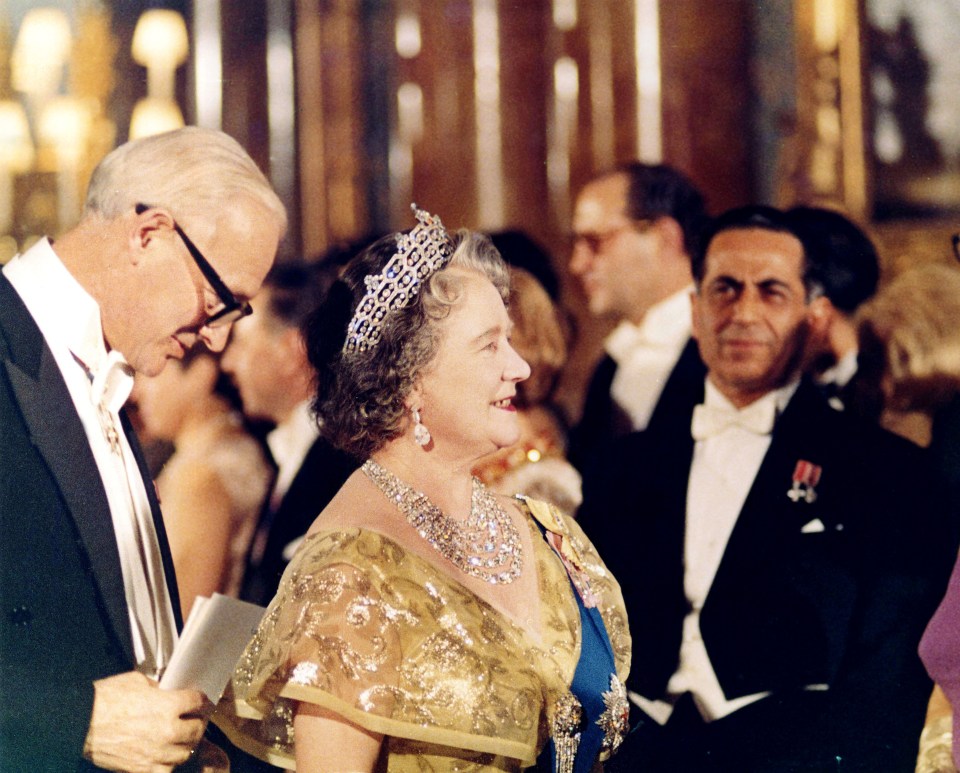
(486, 545)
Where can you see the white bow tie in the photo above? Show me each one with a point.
(710, 420)
(624, 339)
(113, 382)
(110, 383)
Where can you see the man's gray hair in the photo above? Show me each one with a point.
(190, 171)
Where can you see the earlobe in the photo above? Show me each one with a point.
(820, 306)
(694, 304)
(414, 398)
(819, 314)
(672, 234)
(294, 350)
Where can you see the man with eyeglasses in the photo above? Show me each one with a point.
(634, 229)
(89, 612)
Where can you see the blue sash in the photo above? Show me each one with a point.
(590, 680)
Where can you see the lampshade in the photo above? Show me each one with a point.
(407, 34)
(16, 148)
(160, 39)
(828, 18)
(42, 48)
(65, 125)
(153, 116)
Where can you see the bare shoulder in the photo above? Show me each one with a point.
(190, 484)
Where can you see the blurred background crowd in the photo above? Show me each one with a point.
(592, 140)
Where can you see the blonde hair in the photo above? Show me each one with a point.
(910, 332)
(538, 336)
(193, 172)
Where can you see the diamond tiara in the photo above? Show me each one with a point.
(420, 253)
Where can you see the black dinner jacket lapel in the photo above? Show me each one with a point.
(322, 472)
(659, 588)
(683, 390)
(163, 543)
(634, 512)
(778, 596)
(800, 434)
(58, 435)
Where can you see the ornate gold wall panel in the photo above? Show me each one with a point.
(828, 156)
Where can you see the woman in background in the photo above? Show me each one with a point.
(536, 464)
(427, 623)
(909, 378)
(213, 485)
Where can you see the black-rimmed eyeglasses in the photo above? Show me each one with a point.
(233, 309)
(596, 241)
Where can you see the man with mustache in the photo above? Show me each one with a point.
(778, 583)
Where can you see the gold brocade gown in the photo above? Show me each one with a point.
(382, 637)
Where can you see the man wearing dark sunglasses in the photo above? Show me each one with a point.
(89, 611)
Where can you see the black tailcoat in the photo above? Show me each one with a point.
(833, 593)
(603, 421)
(63, 613)
(323, 471)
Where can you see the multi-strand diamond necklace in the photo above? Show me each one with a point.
(486, 545)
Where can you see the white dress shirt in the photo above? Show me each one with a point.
(99, 383)
(721, 475)
(289, 444)
(842, 372)
(646, 355)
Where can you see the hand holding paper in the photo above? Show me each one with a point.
(211, 644)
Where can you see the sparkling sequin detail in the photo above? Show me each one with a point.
(450, 681)
(615, 721)
(565, 728)
(486, 546)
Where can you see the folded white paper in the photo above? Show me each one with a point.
(211, 644)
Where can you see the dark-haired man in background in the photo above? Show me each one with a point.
(268, 363)
(781, 558)
(848, 271)
(634, 229)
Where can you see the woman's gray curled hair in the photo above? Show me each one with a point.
(360, 395)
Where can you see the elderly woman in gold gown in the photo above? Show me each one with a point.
(427, 623)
